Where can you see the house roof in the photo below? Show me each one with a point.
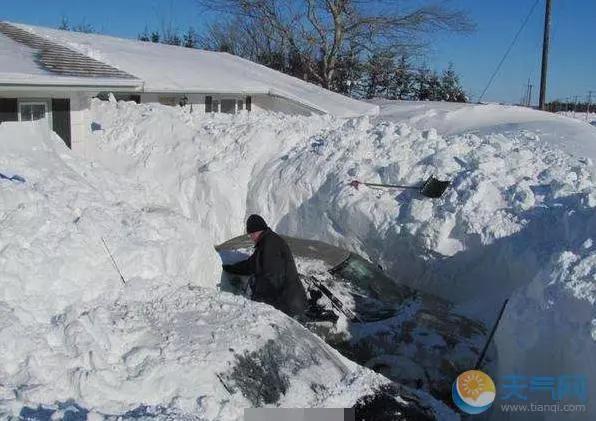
(28, 59)
(165, 68)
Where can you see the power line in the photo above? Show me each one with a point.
(508, 50)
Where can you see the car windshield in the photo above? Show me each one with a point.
(367, 277)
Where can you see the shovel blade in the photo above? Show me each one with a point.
(433, 188)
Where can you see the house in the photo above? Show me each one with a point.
(51, 75)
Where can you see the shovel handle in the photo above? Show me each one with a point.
(356, 183)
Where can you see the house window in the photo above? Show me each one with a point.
(168, 100)
(228, 106)
(32, 111)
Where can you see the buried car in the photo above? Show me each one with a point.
(191, 353)
(412, 337)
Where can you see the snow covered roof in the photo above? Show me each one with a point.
(28, 59)
(166, 68)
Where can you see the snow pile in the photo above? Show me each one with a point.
(517, 221)
(162, 185)
(573, 136)
(75, 342)
(57, 219)
(589, 118)
(207, 164)
(295, 171)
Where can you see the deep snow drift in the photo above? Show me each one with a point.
(77, 341)
(517, 222)
(586, 117)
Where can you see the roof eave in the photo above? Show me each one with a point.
(248, 91)
(116, 86)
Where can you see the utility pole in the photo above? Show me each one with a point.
(522, 99)
(545, 46)
(589, 104)
(530, 86)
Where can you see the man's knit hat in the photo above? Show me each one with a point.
(255, 223)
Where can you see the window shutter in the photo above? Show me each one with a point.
(61, 119)
(8, 109)
(248, 103)
(208, 104)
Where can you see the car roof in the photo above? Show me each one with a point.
(302, 248)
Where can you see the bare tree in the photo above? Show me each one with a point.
(65, 25)
(321, 32)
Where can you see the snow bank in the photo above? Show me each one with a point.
(207, 165)
(53, 225)
(76, 342)
(574, 136)
(589, 118)
(518, 220)
(162, 185)
(56, 278)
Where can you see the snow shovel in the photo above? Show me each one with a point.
(432, 187)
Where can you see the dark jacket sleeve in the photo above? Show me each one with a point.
(243, 267)
(270, 278)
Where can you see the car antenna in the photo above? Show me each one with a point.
(224, 384)
(113, 261)
(490, 337)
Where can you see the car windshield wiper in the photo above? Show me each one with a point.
(336, 302)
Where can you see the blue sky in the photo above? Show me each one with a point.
(475, 56)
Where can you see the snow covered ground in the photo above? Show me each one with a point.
(575, 137)
(518, 221)
(587, 117)
(162, 185)
(77, 342)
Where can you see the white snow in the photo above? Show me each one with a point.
(574, 136)
(165, 68)
(518, 220)
(17, 58)
(71, 331)
(589, 118)
(19, 66)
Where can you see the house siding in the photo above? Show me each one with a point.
(80, 125)
(80, 121)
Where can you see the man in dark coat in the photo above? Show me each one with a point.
(272, 265)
